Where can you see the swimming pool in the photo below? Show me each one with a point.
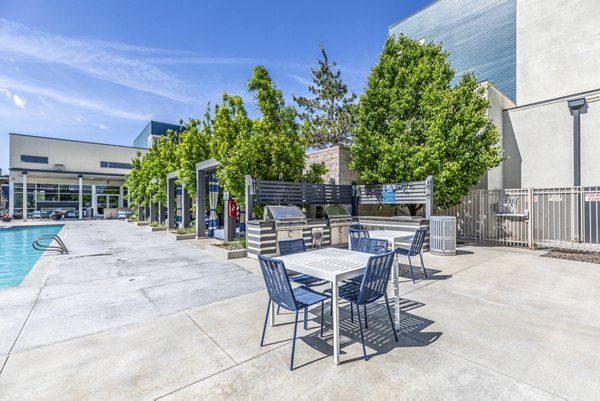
(17, 257)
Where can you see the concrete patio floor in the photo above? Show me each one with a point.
(131, 314)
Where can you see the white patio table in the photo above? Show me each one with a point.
(394, 237)
(334, 265)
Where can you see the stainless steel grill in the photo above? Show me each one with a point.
(339, 223)
(289, 221)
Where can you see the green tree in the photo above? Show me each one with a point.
(269, 147)
(412, 123)
(135, 183)
(193, 147)
(328, 118)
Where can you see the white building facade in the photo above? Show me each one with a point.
(51, 173)
(542, 58)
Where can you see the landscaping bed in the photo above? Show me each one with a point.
(183, 233)
(227, 250)
(578, 256)
(157, 227)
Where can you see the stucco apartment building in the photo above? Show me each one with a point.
(540, 61)
(87, 177)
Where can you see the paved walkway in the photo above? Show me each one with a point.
(139, 316)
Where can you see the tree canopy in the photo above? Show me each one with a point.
(412, 123)
(193, 147)
(328, 117)
(268, 147)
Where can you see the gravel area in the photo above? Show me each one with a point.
(579, 256)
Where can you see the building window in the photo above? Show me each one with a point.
(34, 159)
(115, 165)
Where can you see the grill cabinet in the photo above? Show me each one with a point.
(339, 222)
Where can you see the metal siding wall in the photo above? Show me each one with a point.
(479, 35)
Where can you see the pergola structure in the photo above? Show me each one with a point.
(202, 169)
(185, 202)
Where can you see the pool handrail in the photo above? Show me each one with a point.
(61, 248)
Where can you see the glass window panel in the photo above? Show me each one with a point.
(48, 187)
(69, 197)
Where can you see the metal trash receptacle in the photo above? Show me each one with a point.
(442, 237)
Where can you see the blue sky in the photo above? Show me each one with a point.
(99, 71)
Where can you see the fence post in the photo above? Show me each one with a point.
(531, 219)
(249, 192)
(428, 196)
(355, 201)
(482, 214)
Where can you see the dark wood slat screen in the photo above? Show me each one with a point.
(297, 193)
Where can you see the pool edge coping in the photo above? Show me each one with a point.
(37, 275)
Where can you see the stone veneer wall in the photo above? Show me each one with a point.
(337, 161)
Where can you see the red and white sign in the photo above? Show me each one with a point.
(592, 197)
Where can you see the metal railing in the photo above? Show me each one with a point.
(61, 247)
(565, 218)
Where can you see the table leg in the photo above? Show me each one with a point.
(396, 274)
(336, 323)
(272, 314)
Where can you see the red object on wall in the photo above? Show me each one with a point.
(232, 208)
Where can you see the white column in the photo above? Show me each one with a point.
(24, 196)
(94, 201)
(80, 197)
(11, 197)
(121, 196)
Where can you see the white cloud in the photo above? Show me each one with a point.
(131, 66)
(44, 102)
(302, 80)
(71, 99)
(6, 92)
(101, 126)
(89, 58)
(19, 101)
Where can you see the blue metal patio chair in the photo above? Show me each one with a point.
(281, 292)
(374, 246)
(370, 245)
(291, 246)
(355, 236)
(357, 226)
(372, 288)
(416, 248)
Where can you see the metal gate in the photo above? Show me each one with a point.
(566, 218)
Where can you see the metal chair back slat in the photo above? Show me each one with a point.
(376, 278)
(372, 245)
(291, 246)
(357, 226)
(355, 236)
(277, 283)
(418, 240)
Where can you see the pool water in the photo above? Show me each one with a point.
(17, 257)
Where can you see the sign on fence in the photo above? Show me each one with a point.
(389, 194)
(592, 197)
